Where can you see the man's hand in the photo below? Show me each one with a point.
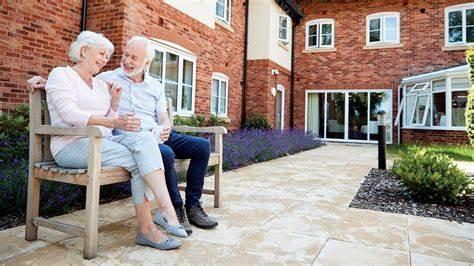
(115, 91)
(35, 82)
(128, 122)
(165, 133)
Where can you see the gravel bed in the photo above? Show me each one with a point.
(383, 191)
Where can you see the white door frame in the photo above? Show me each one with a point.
(282, 90)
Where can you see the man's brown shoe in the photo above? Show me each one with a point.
(199, 218)
(183, 219)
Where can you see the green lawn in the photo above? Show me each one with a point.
(459, 153)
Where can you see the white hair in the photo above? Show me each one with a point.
(89, 38)
(150, 51)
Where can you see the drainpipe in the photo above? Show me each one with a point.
(83, 15)
(292, 82)
(244, 74)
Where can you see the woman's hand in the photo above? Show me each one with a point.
(128, 122)
(35, 82)
(115, 91)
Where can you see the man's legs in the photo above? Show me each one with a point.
(198, 150)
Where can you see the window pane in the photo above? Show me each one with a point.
(156, 66)
(220, 8)
(410, 100)
(283, 22)
(326, 28)
(460, 83)
(374, 24)
(374, 36)
(455, 18)
(420, 109)
(470, 17)
(455, 34)
(214, 100)
(188, 72)
(313, 30)
(439, 109)
(215, 87)
(458, 106)
(335, 115)
(470, 34)
(327, 40)
(171, 91)
(222, 106)
(439, 85)
(223, 88)
(391, 35)
(172, 62)
(391, 22)
(358, 105)
(227, 11)
(282, 34)
(187, 96)
(312, 41)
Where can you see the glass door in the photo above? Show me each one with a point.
(335, 115)
(358, 127)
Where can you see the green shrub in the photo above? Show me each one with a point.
(470, 99)
(431, 177)
(256, 121)
(14, 134)
(193, 121)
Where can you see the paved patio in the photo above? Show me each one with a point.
(292, 210)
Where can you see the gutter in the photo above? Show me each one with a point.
(83, 15)
(292, 82)
(244, 72)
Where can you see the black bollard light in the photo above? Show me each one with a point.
(382, 131)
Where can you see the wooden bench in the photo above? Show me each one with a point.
(43, 167)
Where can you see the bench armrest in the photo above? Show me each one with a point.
(215, 130)
(91, 131)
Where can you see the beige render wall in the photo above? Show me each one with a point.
(201, 10)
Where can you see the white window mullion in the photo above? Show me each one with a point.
(464, 33)
(180, 85)
(427, 106)
(346, 116)
(448, 102)
(325, 112)
(163, 78)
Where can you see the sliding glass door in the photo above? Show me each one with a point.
(347, 115)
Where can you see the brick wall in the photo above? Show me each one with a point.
(259, 84)
(34, 37)
(434, 136)
(353, 67)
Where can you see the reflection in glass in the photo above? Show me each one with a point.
(458, 107)
(455, 26)
(335, 116)
(313, 35)
(420, 109)
(171, 80)
(214, 96)
(439, 109)
(187, 88)
(358, 115)
(156, 66)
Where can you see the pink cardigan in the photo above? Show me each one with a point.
(71, 102)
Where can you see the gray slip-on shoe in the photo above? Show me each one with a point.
(177, 230)
(167, 244)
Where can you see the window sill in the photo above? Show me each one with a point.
(435, 128)
(382, 46)
(224, 25)
(461, 47)
(283, 45)
(319, 50)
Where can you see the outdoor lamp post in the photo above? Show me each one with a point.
(382, 131)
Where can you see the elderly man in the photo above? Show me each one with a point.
(145, 97)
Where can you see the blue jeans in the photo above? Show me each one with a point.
(185, 147)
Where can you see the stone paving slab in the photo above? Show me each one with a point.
(292, 210)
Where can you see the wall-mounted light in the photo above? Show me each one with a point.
(274, 91)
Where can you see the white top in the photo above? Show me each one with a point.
(71, 102)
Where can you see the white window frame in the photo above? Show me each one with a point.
(183, 54)
(382, 16)
(319, 23)
(281, 88)
(220, 77)
(462, 8)
(288, 28)
(408, 118)
(227, 8)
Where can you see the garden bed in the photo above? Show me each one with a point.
(383, 191)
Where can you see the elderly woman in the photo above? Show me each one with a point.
(77, 99)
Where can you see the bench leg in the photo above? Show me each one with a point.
(32, 207)
(217, 185)
(92, 219)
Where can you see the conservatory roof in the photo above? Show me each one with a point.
(459, 70)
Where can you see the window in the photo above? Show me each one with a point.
(223, 10)
(439, 104)
(320, 34)
(219, 94)
(283, 28)
(459, 25)
(175, 68)
(383, 28)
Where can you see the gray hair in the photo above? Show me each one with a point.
(89, 38)
(150, 51)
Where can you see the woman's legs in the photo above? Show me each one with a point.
(147, 154)
(75, 155)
